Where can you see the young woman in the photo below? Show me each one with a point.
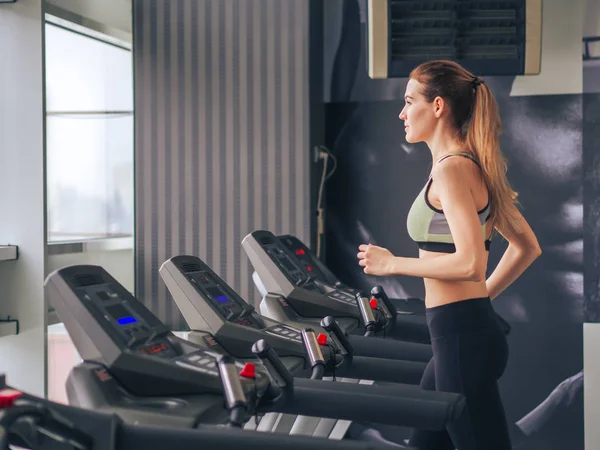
(452, 220)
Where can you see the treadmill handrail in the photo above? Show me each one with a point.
(108, 432)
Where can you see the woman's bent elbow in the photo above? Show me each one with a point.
(532, 252)
(475, 272)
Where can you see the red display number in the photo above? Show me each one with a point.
(154, 349)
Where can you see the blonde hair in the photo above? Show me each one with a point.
(475, 114)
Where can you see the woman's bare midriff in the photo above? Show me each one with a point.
(442, 292)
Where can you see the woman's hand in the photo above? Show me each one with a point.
(375, 260)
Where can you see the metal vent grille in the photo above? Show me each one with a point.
(487, 37)
(82, 280)
(188, 267)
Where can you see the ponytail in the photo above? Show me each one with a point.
(482, 138)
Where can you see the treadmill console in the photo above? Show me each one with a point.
(281, 258)
(304, 256)
(220, 297)
(300, 271)
(110, 326)
(281, 273)
(227, 303)
(124, 319)
(140, 332)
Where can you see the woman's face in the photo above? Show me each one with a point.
(418, 114)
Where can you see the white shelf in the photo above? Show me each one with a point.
(8, 328)
(91, 245)
(9, 252)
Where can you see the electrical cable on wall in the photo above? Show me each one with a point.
(324, 154)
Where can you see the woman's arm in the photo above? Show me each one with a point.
(454, 179)
(523, 249)
(379, 261)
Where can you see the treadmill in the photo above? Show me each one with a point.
(309, 296)
(166, 381)
(213, 310)
(414, 327)
(30, 422)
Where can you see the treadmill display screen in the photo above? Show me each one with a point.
(158, 349)
(245, 323)
(120, 314)
(217, 294)
(126, 320)
(154, 349)
(287, 264)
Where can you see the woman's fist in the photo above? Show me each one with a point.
(375, 260)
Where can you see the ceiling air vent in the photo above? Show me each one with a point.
(487, 37)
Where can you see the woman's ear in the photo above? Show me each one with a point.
(439, 106)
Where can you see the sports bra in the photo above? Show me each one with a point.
(428, 227)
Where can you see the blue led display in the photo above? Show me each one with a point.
(222, 299)
(126, 320)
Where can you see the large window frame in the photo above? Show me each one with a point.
(107, 240)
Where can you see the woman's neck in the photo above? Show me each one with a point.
(444, 144)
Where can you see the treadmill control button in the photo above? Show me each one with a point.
(249, 371)
(322, 339)
(8, 397)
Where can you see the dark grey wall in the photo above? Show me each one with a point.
(379, 175)
(222, 133)
(591, 193)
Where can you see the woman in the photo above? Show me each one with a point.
(452, 221)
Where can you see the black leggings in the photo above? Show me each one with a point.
(469, 355)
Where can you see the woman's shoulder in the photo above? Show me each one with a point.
(456, 168)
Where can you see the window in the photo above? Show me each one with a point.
(89, 137)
